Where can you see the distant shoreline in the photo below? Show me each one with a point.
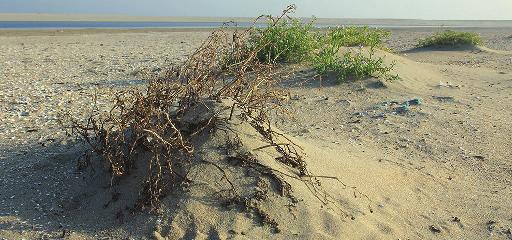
(64, 32)
(31, 17)
(94, 25)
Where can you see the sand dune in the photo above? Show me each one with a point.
(439, 170)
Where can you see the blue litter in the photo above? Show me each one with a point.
(404, 108)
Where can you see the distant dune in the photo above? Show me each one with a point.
(346, 21)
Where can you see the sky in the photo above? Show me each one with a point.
(404, 9)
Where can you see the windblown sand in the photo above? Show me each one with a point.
(442, 170)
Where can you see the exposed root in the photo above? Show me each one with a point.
(158, 125)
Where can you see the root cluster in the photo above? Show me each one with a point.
(157, 125)
(157, 121)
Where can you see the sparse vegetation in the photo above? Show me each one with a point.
(357, 36)
(291, 40)
(359, 66)
(156, 128)
(352, 66)
(450, 38)
(236, 66)
(282, 40)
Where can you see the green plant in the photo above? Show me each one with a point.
(352, 66)
(451, 38)
(357, 36)
(283, 41)
(359, 66)
(326, 61)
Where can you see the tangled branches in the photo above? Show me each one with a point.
(156, 127)
(162, 120)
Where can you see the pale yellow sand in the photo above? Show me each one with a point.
(441, 171)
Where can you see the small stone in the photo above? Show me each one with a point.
(380, 115)
(304, 131)
(344, 102)
(434, 229)
(491, 225)
(444, 98)
(295, 97)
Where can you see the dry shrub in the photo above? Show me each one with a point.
(161, 121)
(154, 121)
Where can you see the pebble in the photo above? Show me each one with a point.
(344, 102)
(444, 98)
(434, 229)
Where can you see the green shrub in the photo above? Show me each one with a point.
(326, 61)
(291, 40)
(357, 36)
(359, 66)
(451, 38)
(284, 41)
(352, 66)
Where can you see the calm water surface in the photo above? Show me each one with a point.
(90, 24)
(94, 25)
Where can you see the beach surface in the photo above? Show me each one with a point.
(443, 170)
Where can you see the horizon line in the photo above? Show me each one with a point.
(142, 18)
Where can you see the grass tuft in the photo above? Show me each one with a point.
(283, 41)
(292, 41)
(451, 38)
(352, 66)
(356, 65)
(358, 36)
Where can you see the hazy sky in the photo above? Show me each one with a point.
(418, 9)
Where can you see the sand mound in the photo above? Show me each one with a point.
(463, 48)
(414, 76)
(494, 51)
(238, 186)
(466, 47)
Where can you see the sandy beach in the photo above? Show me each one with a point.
(441, 171)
